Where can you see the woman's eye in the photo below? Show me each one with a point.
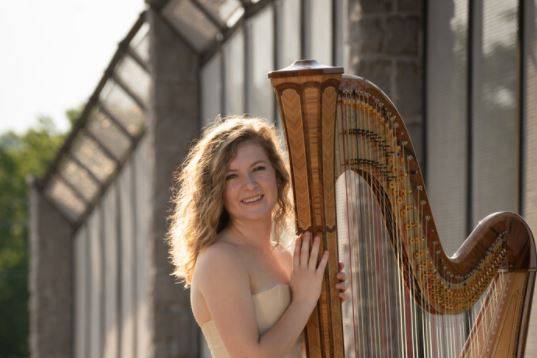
(261, 167)
(231, 176)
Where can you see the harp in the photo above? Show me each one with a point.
(357, 183)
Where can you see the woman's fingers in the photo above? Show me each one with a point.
(322, 264)
(305, 250)
(314, 253)
(341, 276)
(296, 252)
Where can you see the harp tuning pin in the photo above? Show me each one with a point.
(420, 188)
(427, 217)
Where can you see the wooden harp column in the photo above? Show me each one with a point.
(307, 100)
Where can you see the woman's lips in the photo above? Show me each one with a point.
(252, 199)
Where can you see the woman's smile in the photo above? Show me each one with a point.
(253, 199)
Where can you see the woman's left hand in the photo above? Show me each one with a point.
(342, 284)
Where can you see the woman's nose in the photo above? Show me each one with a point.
(250, 182)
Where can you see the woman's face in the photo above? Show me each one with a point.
(250, 191)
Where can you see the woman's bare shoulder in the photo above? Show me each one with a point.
(218, 261)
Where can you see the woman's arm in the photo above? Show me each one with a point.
(224, 284)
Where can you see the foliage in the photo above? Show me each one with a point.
(21, 156)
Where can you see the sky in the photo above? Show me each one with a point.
(53, 53)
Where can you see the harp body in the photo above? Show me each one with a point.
(357, 184)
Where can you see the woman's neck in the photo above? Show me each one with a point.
(254, 233)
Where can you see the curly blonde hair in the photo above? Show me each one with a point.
(199, 214)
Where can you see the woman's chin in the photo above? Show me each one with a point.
(255, 215)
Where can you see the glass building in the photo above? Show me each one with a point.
(463, 74)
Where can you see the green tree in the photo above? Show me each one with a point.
(21, 155)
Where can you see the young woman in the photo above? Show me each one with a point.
(249, 294)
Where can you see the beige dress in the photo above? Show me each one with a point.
(269, 305)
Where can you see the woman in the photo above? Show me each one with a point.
(250, 296)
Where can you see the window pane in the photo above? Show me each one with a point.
(108, 133)
(135, 77)
(447, 118)
(110, 265)
(95, 291)
(529, 151)
(92, 157)
(530, 120)
(260, 96)
(234, 62)
(191, 23)
(122, 107)
(224, 10)
(79, 178)
(211, 89)
(288, 43)
(81, 317)
(68, 202)
(140, 42)
(128, 262)
(321, 31)
(495, 123)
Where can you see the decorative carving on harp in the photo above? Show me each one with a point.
(356, 182)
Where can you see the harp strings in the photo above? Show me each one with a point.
(386, 248)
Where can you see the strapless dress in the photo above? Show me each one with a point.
(269, 305)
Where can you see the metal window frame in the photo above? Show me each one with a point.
(475, 25)
(110, 179)
(523, 11)
(92, 101)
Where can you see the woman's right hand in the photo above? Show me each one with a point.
(307, 276)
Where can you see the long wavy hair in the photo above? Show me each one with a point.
(199, 214)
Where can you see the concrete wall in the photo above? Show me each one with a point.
(385, 41)
(174, 123)
(51, 280)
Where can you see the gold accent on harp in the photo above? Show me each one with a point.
(327, 116)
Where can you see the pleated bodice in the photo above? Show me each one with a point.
(269, 305)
